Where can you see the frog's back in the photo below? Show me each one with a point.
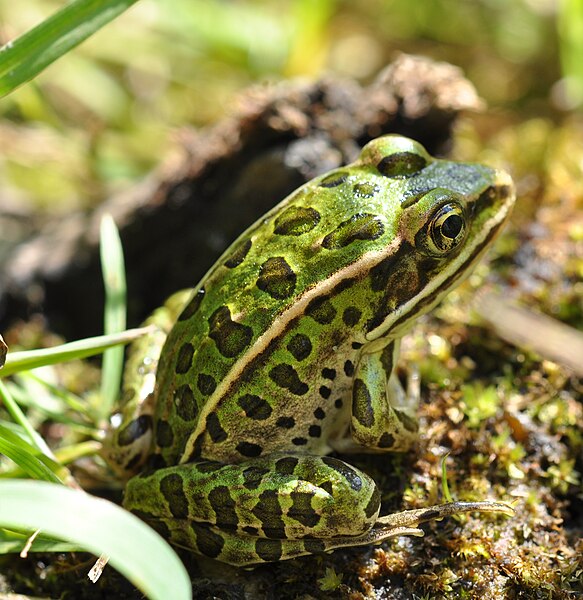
(266, 305)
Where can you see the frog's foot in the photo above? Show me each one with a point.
(407, 522)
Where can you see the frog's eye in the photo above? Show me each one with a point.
(446, 229)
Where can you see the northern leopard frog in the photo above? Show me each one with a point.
(285, 352)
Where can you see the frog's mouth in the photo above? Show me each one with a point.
(495, 203)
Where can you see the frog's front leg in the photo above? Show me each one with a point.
(383, 413)
(261, 510)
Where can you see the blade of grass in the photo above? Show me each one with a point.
(19, 417)
(13, 542)
(30, 359)
(27, 457)
(101, 527)
(52, 405)
(64, 456)
(28, 55)
(112, 265)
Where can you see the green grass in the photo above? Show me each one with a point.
(96, 525)
(37, 490)
(24, 58)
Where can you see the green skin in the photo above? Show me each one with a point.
(285, 352)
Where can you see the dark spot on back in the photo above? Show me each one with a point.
(268, 511)
(314, 546)
(286, 465)
(192, 306)
(349, 368)
(208, 542)
(351, 476)
(315, 431)
(249, 449)
(351, 316)
(300, 346)
(319, 413)
(301, 509)
(206, 384)
(321, 310)
(238, 255)
(268, 550)
(164, 434)
(329, 373)
(155, 462)
(184, 358)
(359, 227)
(285, 422)
(285, 376)
(401, 164)
(325, 391)
(386, 440)
(224, 506)
(253, 476)
(334, 179)
(214, 428)
(230, 337)
(277, 278)
(296, 220)
(327, 487)
(185, 404)
(255, 408)
(208, 466)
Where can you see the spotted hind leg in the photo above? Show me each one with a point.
(264, 509)
(274, 508)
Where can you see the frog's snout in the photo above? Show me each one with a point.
(505, 187)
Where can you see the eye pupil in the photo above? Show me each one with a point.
(452, 226)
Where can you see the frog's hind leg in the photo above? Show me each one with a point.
(263, 509)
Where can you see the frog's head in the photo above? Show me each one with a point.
(447, 216)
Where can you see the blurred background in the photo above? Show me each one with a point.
(105, 114)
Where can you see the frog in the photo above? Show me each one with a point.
(284, 357)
